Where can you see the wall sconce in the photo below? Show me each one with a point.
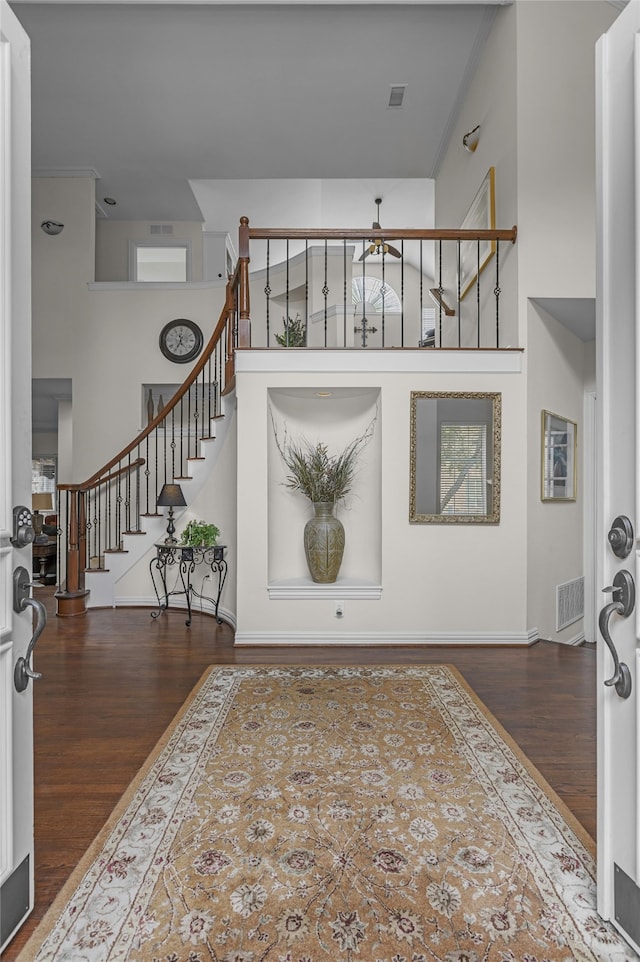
(40, 502)
(470, 140)
(52, 227)
(171, 497)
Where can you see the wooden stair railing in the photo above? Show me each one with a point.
(93, 516)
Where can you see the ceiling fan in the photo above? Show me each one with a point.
(378, 245)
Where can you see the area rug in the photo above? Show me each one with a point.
(333, 814)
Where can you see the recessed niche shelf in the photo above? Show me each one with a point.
(344, 589)
(334, 414)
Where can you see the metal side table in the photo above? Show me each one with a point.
(182, 560)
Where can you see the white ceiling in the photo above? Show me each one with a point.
(151, 96)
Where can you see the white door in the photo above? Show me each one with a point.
(16, 729)
(618, 346)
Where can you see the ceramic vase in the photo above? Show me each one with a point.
(324, 543)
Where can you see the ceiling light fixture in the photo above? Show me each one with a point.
(52, 227)
(110, 201)
(324, 394)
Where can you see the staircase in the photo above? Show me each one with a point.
(103, 583)
(111, 520)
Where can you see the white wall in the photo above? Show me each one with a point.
(534, 96)
(313, 202)
(556, 258)
(491, 102)
(105, 340)
(557, 363)
(556, 144)
(448, 582)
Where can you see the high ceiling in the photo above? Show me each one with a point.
(151, 96)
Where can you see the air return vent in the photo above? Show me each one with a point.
(396, 95)
(569, 603)
(161, 230)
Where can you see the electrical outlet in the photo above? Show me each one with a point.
(339, 609)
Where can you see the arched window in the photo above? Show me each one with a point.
(369, 290)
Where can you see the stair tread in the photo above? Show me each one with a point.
(116, 551)
(148, 514)
(134, 532)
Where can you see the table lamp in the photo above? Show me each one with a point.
(171, 497)
(40, 502)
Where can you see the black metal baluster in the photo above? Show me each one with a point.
(138, 493)
(182, 469)
(478, 291)
(173, 443)
(267, 290)
(459, 297)
(421, 288)
(189, 423)
(286, 296)
(440, 292)
(497, 293)
(119, 507)
(127, 495)
(325, 291)
(147, 474)
(344, 292)
(306, 292)
(402, 293)
(137, 512)
(383, 291)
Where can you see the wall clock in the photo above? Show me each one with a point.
(181, 340)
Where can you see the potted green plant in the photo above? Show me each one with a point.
(325, 480)
(200, 534)
(295, 333)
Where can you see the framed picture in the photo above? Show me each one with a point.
(558, 458)
(480, 216)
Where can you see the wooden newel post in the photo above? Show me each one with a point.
(244, 316)
(72, 598)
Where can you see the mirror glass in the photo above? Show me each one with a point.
(455, 457)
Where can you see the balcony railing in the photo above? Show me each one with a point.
(367, 288)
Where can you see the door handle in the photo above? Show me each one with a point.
(623, 592)
(21, 601)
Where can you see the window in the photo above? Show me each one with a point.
(463, 477)
(369, 289)
(160, 261)
(43, 476)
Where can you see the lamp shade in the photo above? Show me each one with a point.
(171, 496)
(42, 501)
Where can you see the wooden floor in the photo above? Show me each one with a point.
(114, 679)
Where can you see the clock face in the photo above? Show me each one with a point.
(181, 340)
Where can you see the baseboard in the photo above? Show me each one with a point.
(371, 639)
(148, 601)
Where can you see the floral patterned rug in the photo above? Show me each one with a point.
(333, 814)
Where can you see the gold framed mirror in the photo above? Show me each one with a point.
(455, 457)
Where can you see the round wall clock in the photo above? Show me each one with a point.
(181, 340)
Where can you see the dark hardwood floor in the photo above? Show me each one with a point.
(113, 680)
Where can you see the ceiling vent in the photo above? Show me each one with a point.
(396, 95)
(161, 230)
